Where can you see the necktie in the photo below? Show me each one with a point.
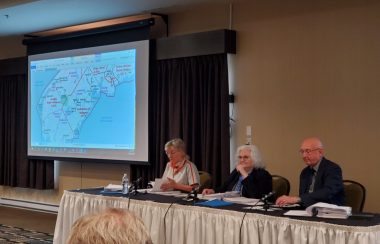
(312, 181)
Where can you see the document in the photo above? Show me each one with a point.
(301, 213)
(220, 196)
(242, 200)
(326, 210)
(113, 187)
(323, 210)
(157, 185)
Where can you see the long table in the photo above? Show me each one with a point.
(172, 220)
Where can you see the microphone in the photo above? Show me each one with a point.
(267, 196)
(138, 181)
(135, 185)
(193, 194)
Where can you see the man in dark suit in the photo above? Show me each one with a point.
(320, 181)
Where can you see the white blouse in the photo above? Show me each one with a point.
(187, 175)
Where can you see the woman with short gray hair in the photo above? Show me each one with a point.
(249, 176)
(180, 173)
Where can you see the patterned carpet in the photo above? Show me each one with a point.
(9, 234)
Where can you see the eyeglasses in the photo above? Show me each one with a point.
(307, 151)
(243, 157)
(170, 152)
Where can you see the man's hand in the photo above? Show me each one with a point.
(207, 191)
(286, 200)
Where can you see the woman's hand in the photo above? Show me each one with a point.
(240, 168)
(169, 184)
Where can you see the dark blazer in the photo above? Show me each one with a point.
(328, 186)
(257, 184)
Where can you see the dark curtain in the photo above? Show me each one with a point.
(15, 168)
(189, 100)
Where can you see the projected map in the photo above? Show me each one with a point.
(84, 101)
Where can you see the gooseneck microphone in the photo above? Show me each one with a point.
(265, 199)
(267, 196)
(137, 182)
(193, 194)
(135, 185)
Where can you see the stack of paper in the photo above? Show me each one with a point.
(113, 187)
(242, 200)
(157, 185)
(220, 196)
(325, 210)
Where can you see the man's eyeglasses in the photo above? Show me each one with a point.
(307, 151)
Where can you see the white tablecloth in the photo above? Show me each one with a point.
(193, 225)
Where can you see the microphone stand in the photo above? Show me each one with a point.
(266, 201)
(193, 195)
(266, 205)
(134, 187)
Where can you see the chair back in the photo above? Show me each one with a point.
(281, 186)
(355, 195)
(205, 180)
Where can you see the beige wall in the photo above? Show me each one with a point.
(302, 73)
(70, 175)
(305, 68)
(11, 47)
(302, 68)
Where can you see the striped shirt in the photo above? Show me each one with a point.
(187, 174)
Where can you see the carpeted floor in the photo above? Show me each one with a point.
(9, 234)
(26, 226)
(28, 219)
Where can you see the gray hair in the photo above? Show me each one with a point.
(176, 143)
(110, 226)
(258, 162)
(179, 145)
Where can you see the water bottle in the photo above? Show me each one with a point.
(125, 184)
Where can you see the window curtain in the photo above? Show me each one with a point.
(189, 99)
(15, 168)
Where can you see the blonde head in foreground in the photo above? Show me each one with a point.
(112, 226)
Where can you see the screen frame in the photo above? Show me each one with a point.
(71, 158)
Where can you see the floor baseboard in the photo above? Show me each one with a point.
(34, 206)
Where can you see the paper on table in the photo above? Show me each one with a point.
(211, 196)
(297, 213)
(157, 185)
(220, 196)
(326, 210)
(113, 187)
(323, 210)
(170, 193)
(242, 200)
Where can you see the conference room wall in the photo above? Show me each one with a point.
(11, 47)
(302, 68)
(305, 69)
